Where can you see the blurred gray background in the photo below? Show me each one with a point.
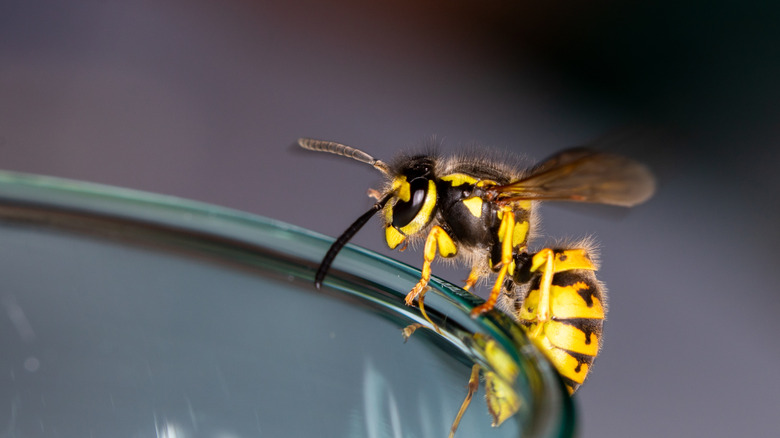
(203, 100)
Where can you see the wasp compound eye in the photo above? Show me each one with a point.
(405, 211)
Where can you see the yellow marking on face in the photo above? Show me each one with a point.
(393, 237)
(424, 215)
(457, 179)
(571, 338)
(401, 188)
(474, 204)
(520, 233)
(387, 212)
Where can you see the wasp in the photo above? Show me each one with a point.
(481, 212)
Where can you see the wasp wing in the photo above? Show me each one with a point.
(582, 175)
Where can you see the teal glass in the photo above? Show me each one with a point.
(131, 314)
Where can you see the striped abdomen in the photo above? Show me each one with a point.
(571, 333)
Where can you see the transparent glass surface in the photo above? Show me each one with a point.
(131, 314)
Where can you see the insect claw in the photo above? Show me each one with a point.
(409, 330)
(481, 309)
(415, 292)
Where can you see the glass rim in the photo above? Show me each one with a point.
(85, 207)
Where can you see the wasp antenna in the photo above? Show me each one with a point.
(345, 237)
(343, 150)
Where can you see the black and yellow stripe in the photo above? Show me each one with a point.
(568, 328)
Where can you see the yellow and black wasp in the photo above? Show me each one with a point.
(480, 211)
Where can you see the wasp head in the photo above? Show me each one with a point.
(413, 201)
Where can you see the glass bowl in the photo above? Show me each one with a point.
(131, 314)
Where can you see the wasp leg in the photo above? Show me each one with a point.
(502, 400)
(472, 388)
(505, 234)
(437, 239)
(552, 262)
(474, 275)
(544, 259)
(421, 303)
(409, 330)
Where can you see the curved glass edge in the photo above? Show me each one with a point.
(558, 419)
